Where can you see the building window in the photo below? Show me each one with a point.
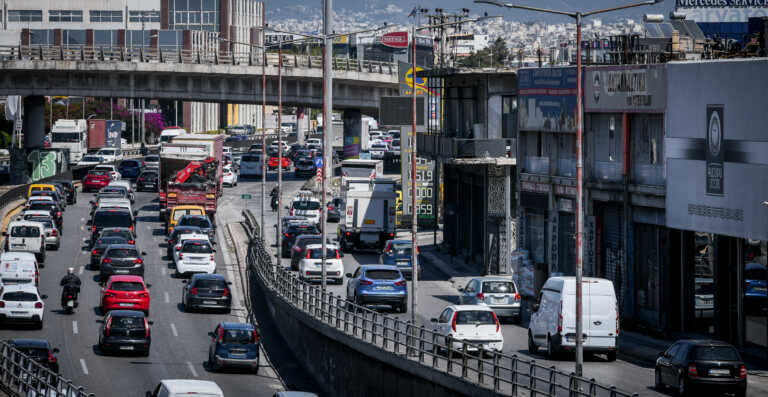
(106, 16)
(144, 16)
(509, 117)
(41, 36)
(25, 15)
(73, 37)
(107, 38)
(137, 38)
(65, 16)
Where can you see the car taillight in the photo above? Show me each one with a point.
(58, 213)
(178, 248)
(221, 334)
(143, 295)
(391, 234)
(211, 256)
(255, 336)
(37, 276)
(453, 322)
(338, 255)
(330, 207)
(142, 179)
(497, 321)
(107, 260)
(181, 256)
(692, 371)
(743, 372)
(517, 296)
(131, 242)
(38, 305)
(146, 328)
(93, 228)
(226, 292)
(51, 357)
(287, 235)
(109, 325)
(130, 228)
(560, 318)
(2, 304)
(193, 291)
(54, 232)
(138, 261)
(480, 296)
(366, 282)
(349, 234)
(291, 211)
(308, 253)
(297, 249)
(400, 283)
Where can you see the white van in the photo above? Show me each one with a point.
(18, 268)
(26, 236)
(167, 134)
(553, 321)
(186, 387)
(250, 165)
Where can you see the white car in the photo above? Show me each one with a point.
(475, 324)
(196, 256)
(22, 303)
(113, 172)
(314, 141)
(308, 208)
(127, 185)
(230, 177)
(110, 155)
(310, 267)
(91, 160)
(377, 150)
(182, 239)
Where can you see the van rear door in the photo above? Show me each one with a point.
(599, 314)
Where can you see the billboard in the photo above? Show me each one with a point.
(547, 99)
(715, 145)
(637, 88)
(405, 77)
(395, 39)
(722, 10)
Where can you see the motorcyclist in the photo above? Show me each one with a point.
(275, 200)
(71, 284)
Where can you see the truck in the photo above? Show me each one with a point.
(104, 134)
(191, 172)
(70, 134)
(369, 218)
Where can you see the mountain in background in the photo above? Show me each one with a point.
(361, 13)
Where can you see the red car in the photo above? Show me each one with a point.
(125, 292)
(96, 179)
(272, 165)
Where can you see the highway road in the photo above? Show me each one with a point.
(436, 292)
(179, 340)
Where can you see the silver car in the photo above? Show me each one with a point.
(498, 293)
(52, 235)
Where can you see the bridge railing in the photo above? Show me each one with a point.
(183, 56)
(21, 375)
(504, 374)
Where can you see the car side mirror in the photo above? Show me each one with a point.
(349, 275)
(43, 296)
(535, 307)
(183, 281)
(56, 350)
(151, 322)
(461, 289)
(433, 320)
(229, 283)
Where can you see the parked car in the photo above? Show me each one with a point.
(125, 331)
(22, 303)
(474, 324)
(39, 350)
(121, 259)
(125, 292)
(378, 285)
(553, 320)
(335, 207)
(195, 256)
(101, 245)
(498, 293)
(399, 253)
(206, 291)
(310, 268)
(186, 387)
(693, 367)
(148, 180)
(130, 168)
(292, 231)
(234, 345)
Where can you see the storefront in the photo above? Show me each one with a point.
(717, 185)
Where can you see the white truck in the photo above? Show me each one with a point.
(369, 218)
(72, 135)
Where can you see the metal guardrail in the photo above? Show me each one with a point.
(22, 376)
(184, 56)
(505, 374)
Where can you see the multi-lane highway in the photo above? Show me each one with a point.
(179, 340)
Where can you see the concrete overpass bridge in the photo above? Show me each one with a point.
(190, 75)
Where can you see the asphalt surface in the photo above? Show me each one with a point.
(179, 340)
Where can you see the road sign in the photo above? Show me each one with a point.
(319, 162)
(246, 196)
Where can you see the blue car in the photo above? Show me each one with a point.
(130, 168)
(378, 285)
(399, 253)
(234, 345)
(755, 289)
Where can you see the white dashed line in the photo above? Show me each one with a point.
(85, 368)
(82, 269)
(166, 297)
(173, 331)
(163, 270)
(82, 228)
(192, 369)
(74, 328)
(82, 220)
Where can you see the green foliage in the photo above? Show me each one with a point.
(495, 55)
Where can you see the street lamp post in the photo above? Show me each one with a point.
(578, 16)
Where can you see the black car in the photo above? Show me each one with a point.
(202, 222)
(335, 208)
(298, 250)
(148, 180)
(709, 365)
(110, 218)
(234, 345)
(206, 291)
(305, 167)
(294, 230)
(125, 331)
(121, 259)
(173, 239)
(52, 208)
(57, 196)
(69, 190)
(130, 168)
(101, 245)
(38, 350)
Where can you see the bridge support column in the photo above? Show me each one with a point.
(34, 121)
(353, 130)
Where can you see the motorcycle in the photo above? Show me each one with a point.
(274, 203)
(68, 301)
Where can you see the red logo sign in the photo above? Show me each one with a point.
(395, 39)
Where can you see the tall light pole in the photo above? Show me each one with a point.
(578, 16)
(279, 155)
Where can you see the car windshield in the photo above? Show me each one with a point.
(97, 173)
(306, 205)
(705, 288)
(498, 287)
(129, 163)
(396, 142)
(126, 286)
(110, 218)
(177, 214)
(401, 249)
(128, 322)
(211, 283)
(25, 231)
(240, 336)
(317, 253)
(20, 296)
(197, 247)
(195, 221)
(121, 253)
(382, 274)
(475, 317)
(715, 353)
(92, 159)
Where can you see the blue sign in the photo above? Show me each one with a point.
(319, 162)
(547, 99)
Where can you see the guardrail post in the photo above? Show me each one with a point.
(421, 343)
(480, 359)
(532, 378)
(385, 341)
(373, 327)
(397, 337)
(435, 349)
(449, 344)
(362, 327)
(552, 384)
(496, 373)
(613, 391)
(464, 359)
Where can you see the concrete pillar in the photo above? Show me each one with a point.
(300, 125)
(34, 121)
(353, 129)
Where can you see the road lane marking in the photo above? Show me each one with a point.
(192, 369)
(74, 327)
(163, 270)
(174, 332)
(82, 269)
(82, 364)
(160, 252)
(82, 228)
(166, 298)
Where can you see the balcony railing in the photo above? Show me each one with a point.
(608, 171)
(649, 174)
(566, 167)
(536, 165)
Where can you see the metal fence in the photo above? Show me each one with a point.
(505, 374)
(184, 56)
